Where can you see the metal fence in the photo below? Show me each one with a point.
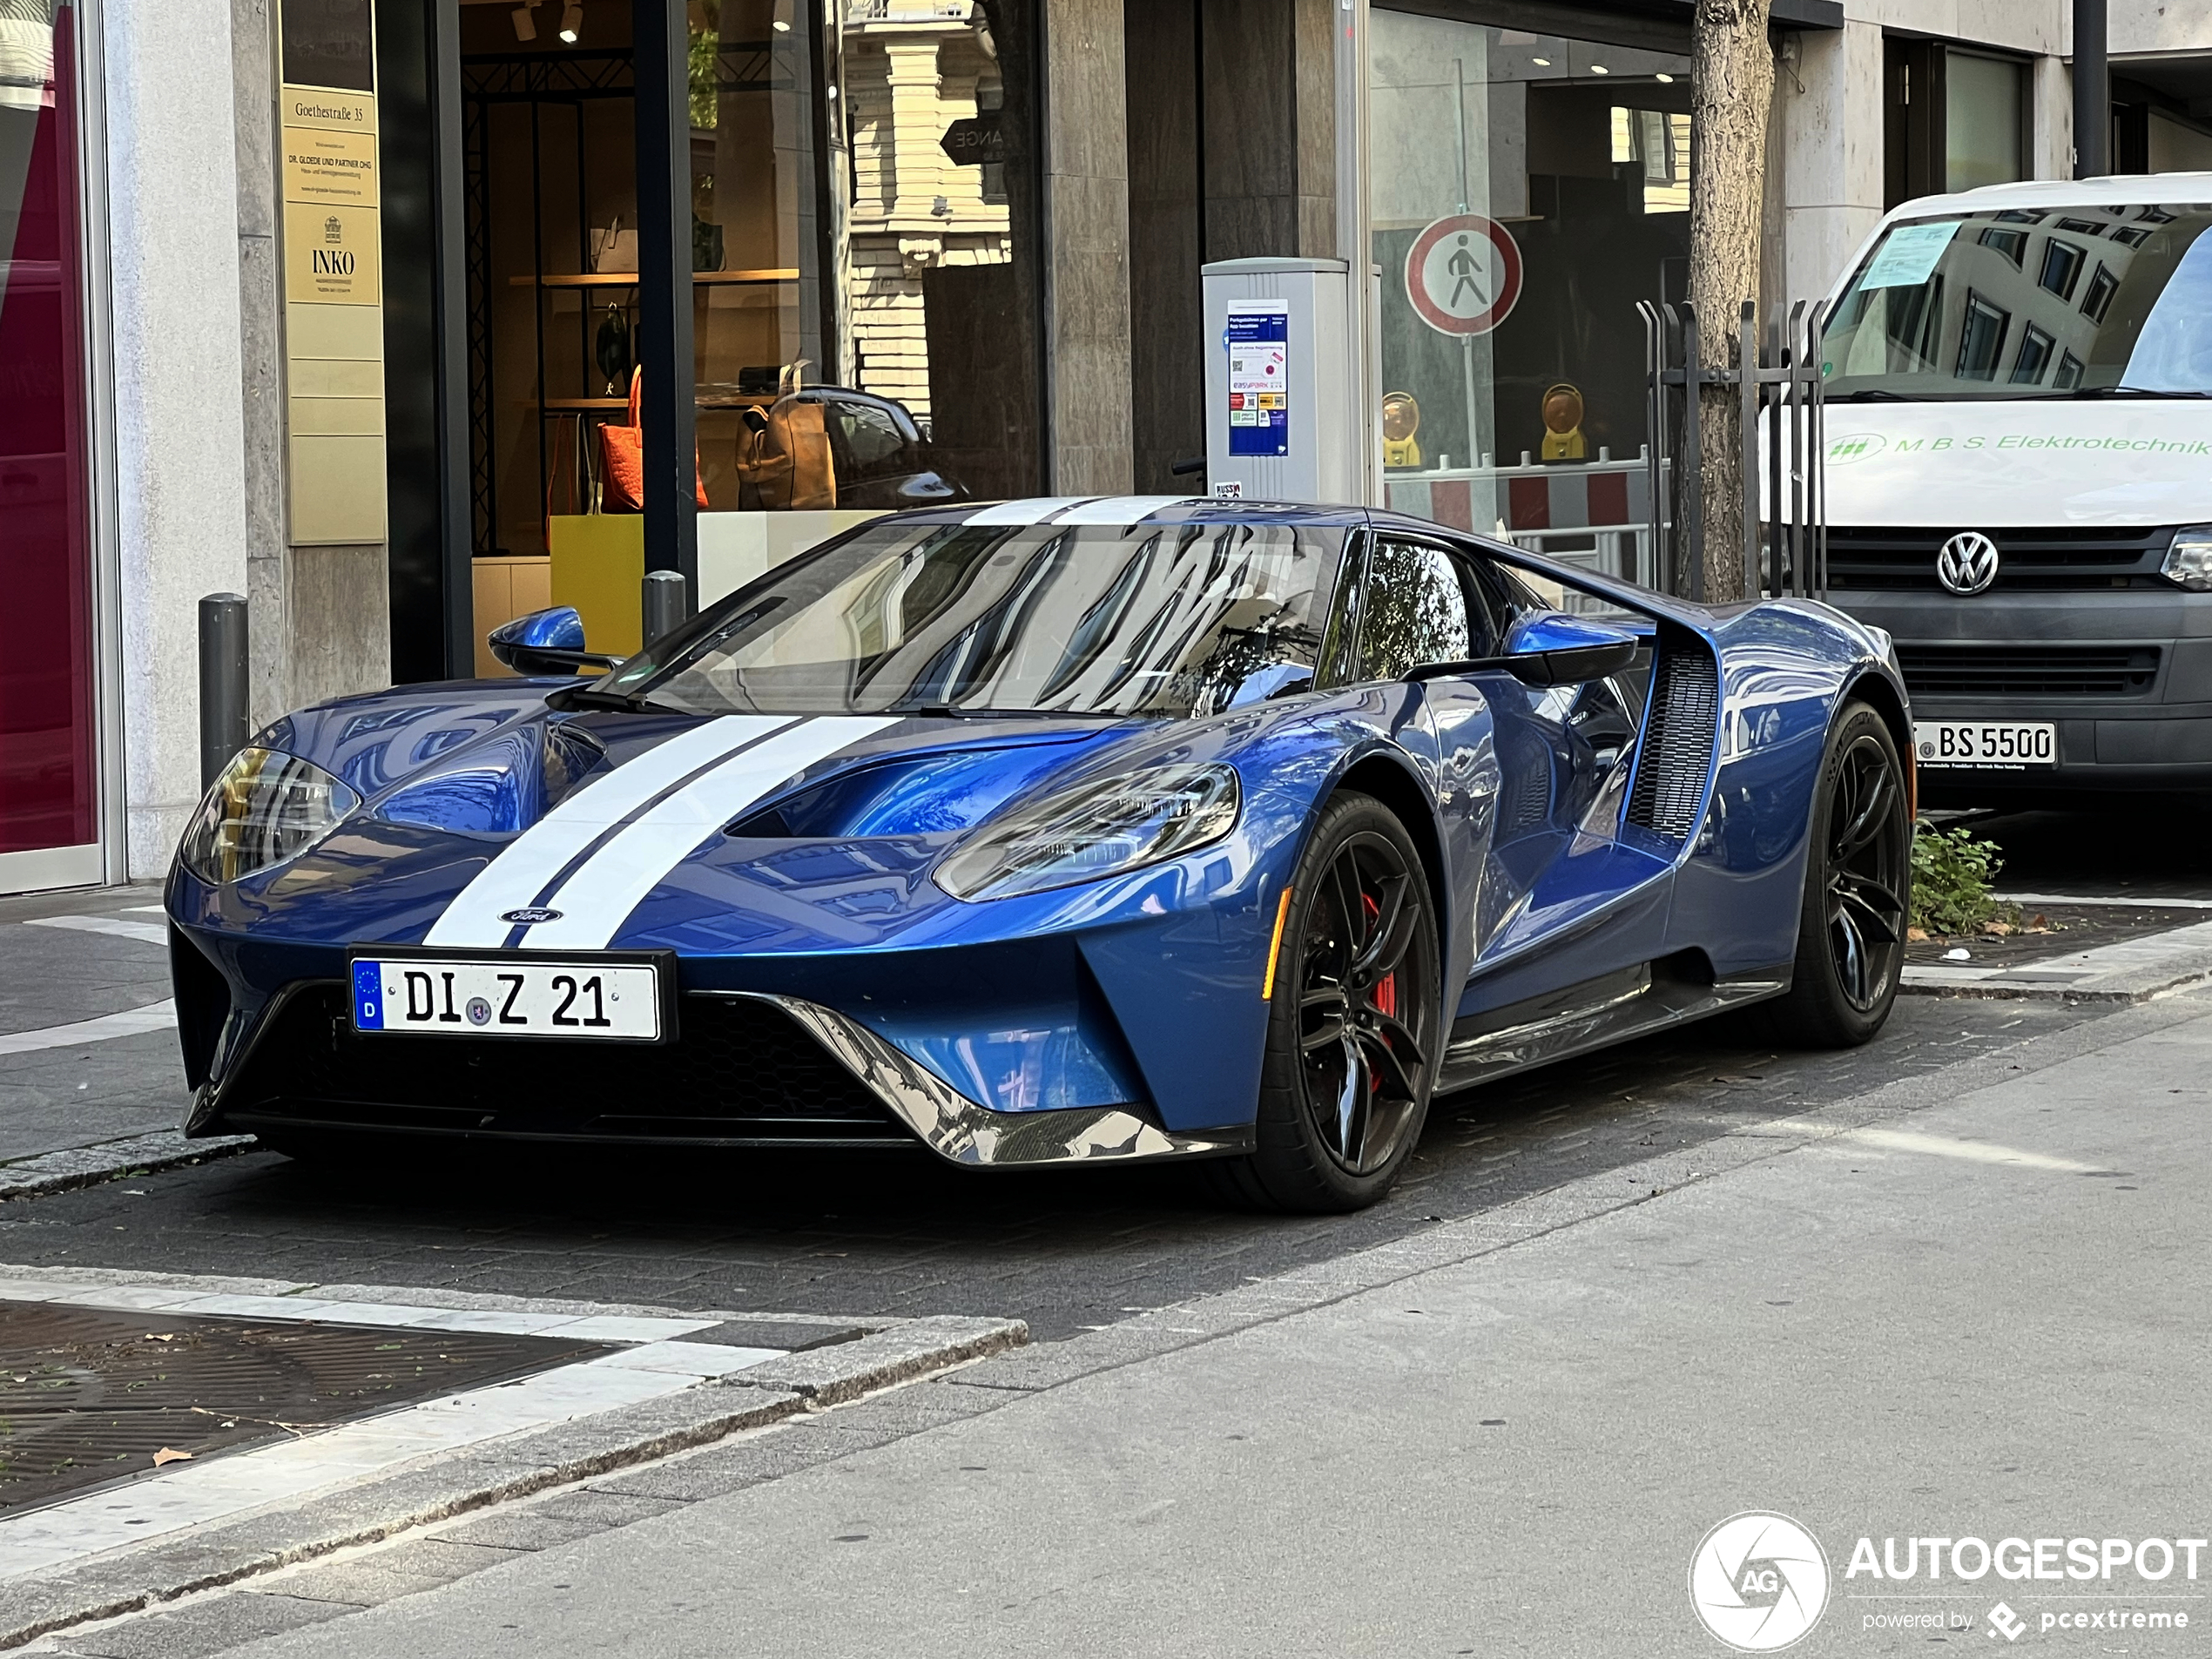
(1777, 379)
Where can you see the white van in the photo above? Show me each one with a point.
(2019, 429)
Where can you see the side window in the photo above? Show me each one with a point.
(1414, 610)
(872, 438)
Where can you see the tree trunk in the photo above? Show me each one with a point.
(1731, 85)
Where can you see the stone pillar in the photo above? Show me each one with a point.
(1087, 327)
(1831, 152)
(173, 229)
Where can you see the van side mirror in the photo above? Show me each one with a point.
(546, 642)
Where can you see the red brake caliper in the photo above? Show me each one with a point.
(1385, 995)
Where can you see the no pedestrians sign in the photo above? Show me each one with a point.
(1463, 275)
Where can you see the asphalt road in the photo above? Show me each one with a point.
(877, 1234)
(902, 1235)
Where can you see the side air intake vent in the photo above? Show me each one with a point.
(1685, 704)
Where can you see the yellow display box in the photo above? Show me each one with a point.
(599, 562)
(599, 567)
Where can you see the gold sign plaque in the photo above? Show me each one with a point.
(331, 254)
(324, 165)
(307, 107)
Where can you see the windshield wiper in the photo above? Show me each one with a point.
(1874, 395)
(946, 712)
(2128, 391)
(585, 697)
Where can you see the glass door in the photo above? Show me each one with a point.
(48, 786)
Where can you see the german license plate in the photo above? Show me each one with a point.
(2003, 745)
(507, 997)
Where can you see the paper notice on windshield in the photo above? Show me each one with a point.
(1908, 254)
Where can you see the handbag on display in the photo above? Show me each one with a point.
(621, 452)
(784, 459)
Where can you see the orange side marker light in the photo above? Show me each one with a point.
(1275, 946)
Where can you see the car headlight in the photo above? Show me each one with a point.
(1094, 829)
(2189, 561)
(266, 807)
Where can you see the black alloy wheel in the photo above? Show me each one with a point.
(1858, 890)
(1868, 868)
(1363, 1067)
(1352, 1041)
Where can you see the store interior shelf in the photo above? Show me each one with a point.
(629, 279)
(715, 400)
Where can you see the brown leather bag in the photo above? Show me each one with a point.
(785, 464)
(621, 452)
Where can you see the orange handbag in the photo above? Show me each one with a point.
(622, 454)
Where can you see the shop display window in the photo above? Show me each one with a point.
(863, 250)
(1528, 189)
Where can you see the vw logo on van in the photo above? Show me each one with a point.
(1968, 563)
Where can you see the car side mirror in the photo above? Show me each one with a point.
(546, 642)
(1549, 648)
(1553, 648)
(1276, 679)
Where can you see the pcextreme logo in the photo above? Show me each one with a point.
(1759, 1582)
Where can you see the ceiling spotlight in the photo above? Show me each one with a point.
(1542, 63)
(572, 21)
(1600, 69)
(1668, 79)
(780, 26)
(525, 20)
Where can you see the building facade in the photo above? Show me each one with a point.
(346, 305)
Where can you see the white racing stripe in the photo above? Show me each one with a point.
(1123, 510)
(537, 857)
(597, 898)
(1036, 511)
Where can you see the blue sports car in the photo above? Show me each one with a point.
(1052, 830)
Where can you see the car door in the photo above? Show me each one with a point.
(1564, 899)
(1531, 780)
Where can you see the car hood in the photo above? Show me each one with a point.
(489, 820)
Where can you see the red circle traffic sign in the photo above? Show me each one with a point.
(1463, 275)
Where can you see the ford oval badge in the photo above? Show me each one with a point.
(531, 913)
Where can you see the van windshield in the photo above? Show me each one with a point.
(2029, 303)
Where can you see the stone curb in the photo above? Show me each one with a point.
(496, 1471)
(2133, 970)
(832, 1376)
(87, 1166)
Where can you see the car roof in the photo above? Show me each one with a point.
(1138, 509)
(2125, 189)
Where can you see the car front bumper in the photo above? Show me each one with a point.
(2124, 674)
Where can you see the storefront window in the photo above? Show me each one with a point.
(863, 270)
(47, 783)
(1528, 191)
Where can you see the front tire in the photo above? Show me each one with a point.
(1858, 891)
(1353, 1037)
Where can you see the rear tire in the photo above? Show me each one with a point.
(1352, 1027)
(1858, 894)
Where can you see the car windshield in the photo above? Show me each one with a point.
(2029, 303)
(1092, 619)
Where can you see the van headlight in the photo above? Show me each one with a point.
(2189, 561)
(266, 807)
(1094, 829)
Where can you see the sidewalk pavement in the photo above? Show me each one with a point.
(1969, 1305)
(88, 1049)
